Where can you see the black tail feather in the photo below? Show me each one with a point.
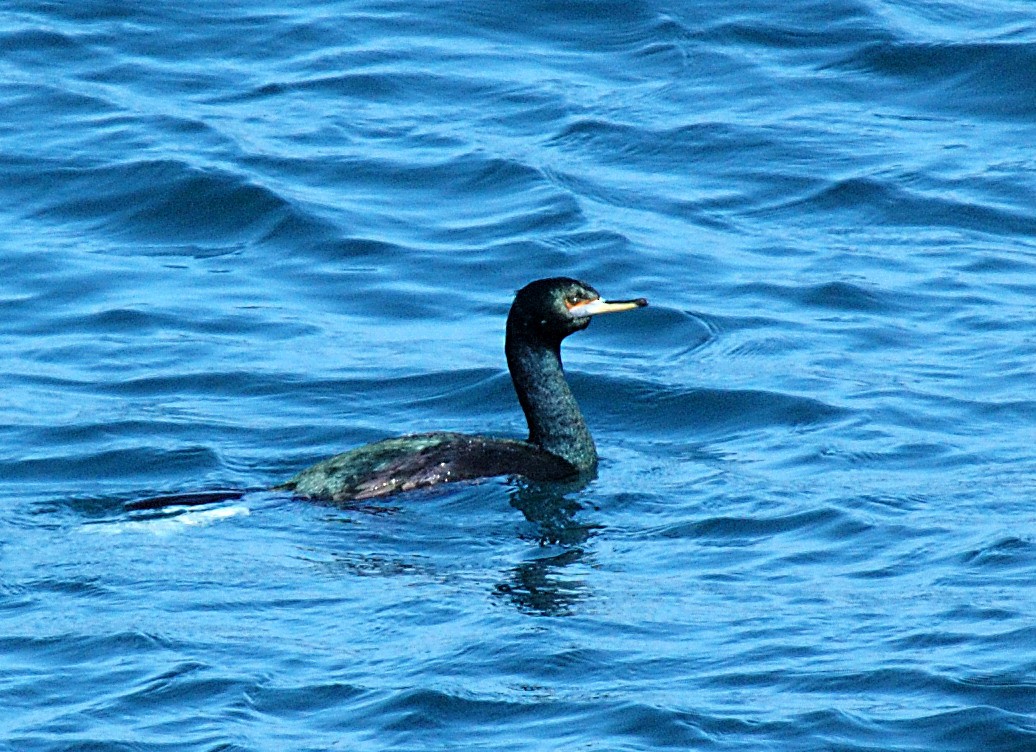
(193, 499)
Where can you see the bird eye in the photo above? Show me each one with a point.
(573, 300)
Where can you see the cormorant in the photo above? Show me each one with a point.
(559, 446)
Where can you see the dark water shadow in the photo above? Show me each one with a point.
(537, 586)
(552, 511)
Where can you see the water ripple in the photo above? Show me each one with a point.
(238, 239)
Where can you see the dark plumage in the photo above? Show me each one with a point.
(559, 444)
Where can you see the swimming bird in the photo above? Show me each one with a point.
(559, 445)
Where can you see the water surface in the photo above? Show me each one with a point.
(236, 238)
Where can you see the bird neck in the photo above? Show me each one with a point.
(555, 422)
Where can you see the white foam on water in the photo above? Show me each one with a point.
(171, 524)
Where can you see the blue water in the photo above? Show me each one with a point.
(238, 237)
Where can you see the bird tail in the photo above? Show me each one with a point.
(192, 499)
